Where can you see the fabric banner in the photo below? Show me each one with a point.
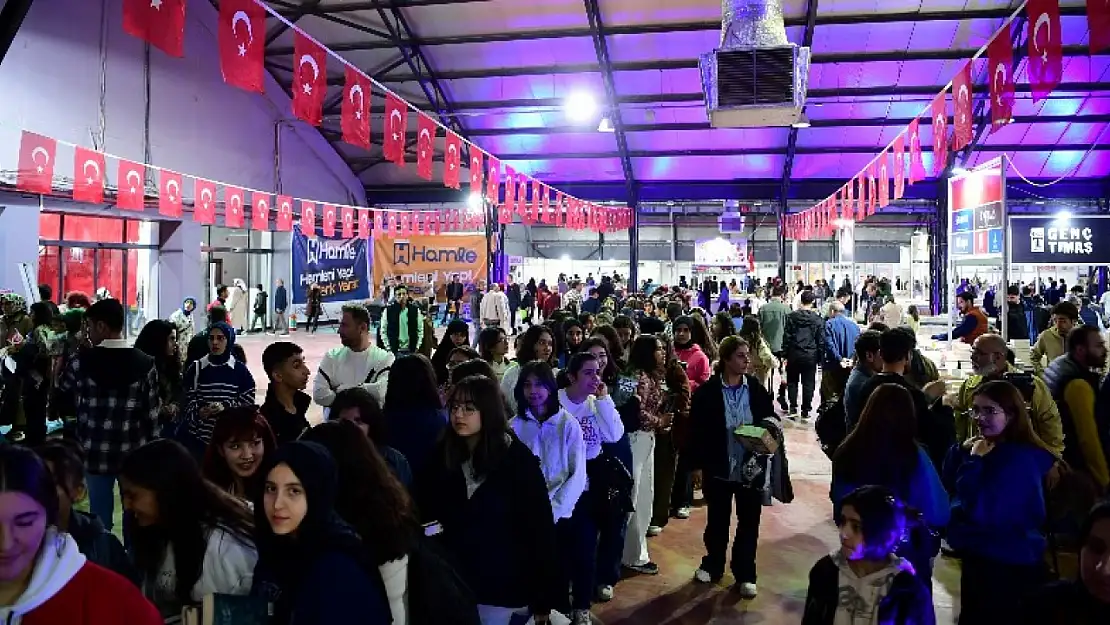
(420, 260)
(338, 265)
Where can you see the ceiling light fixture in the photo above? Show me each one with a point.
(474, 202)
(605, 126)
(581, 106)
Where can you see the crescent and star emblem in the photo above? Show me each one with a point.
(96, 168)
(962, 96)
(394, 115)
(45, 158)
(425, 141)
(170, 186)
(241, 16)
(1042, 20)
(262, 207)
(138, 179)
(307, 58)
(203, 199)
(451, 149)
(357, 88)
(235, 201)
(999, 69)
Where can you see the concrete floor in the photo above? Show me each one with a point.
(792, 538)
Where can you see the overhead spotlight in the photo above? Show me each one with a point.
(605, 126)
(1064, 215)
(581, 106)
(474, 202)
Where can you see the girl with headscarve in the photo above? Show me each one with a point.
(212, 384)
(183, 320)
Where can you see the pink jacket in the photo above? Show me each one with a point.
(697, 365)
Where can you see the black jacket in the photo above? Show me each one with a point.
(907, 602)
(501, 539)
(1064, 603)
(454, 291)
(393, 314)
(803, 337)
(100, 546)
(936, 424)
(286, 427)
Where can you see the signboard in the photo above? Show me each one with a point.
(338, 265)
(977, 222)
(1043, 239)
(721, 253)
(431, 259)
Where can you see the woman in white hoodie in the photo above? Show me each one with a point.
(190, 539)
(44, 578)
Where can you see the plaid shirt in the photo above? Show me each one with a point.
(111, 421)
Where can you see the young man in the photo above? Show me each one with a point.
(1052, 343)
(358, 362)
(112, 388)
(1073, 380)
(286, 405)
(772, 320)
(867, 365)
(281, 303)
(841, 332)
(803, 343)
(454, 294)
(973, 324)
(259, 307)
(402, 330)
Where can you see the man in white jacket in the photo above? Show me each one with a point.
(357, 363)
(495, 309)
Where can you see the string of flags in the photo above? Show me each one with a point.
(241, 42)
(870, 189)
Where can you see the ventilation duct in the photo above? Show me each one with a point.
(757, 78)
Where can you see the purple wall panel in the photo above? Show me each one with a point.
(662, 46)
(541, 144)
(494, 16)
(687, 113)
(720, 138)
(523, 87)
(501, 54)
(622, 12)
(707, 167)
(844, 136)
(657, 81)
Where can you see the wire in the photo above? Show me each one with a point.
(1070, 172)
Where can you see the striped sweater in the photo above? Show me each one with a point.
(206, 382)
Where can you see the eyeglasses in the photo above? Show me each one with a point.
(985, 411)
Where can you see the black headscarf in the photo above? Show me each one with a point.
(445, 347)
(684, 320)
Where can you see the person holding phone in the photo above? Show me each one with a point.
(213, 384)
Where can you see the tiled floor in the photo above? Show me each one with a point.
(792, 538)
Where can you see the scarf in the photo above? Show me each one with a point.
(223, 358)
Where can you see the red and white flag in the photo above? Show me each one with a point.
(405, 221)
(131, 180)
(510, 192)
(234, 203)
(917, 165)
(476, 165)
(241, 53)
(872, 188)
(88, 176)
(327, 223)
(1046, 47)
(260, 210)
(560, 209)
(284, 213)
(899, 166)
(159, 22)
(36, 163)
(310, 79)
(1098, 24)
(939, 111)
(861, 196)
(396, 124)
(363, 223)
(884, 179)
(493, 179)
(425, 145)
(961, 114)
(1000, 60)
(204, 201)
(452, 160)
(169, 193)
(347, 216)
(308, 219)
(354, 118)
(849, 208)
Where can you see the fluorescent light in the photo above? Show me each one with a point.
(605, 125)
(1064, 215)
(801, 123)
(474, 202)
(565, 257)
(581, 106)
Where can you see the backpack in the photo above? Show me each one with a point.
(831, 426)
(437, 593)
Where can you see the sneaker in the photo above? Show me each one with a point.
(648, 568)
(782, 404)
(604, 593)
(747, 590)
(54, 425)
(682, 513)
(654, 530)
(581, 617)
(704, 577)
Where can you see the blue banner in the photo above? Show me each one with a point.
(340, 266)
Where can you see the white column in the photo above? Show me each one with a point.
(180, 267)
(19, 240)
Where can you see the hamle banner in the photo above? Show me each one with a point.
(422, 259)
(338, 265)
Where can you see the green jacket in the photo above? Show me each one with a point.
(1044, 414)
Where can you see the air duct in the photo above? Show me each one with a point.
(757, 78)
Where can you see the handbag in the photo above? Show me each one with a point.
(610, 486)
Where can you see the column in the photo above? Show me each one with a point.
(180, 265)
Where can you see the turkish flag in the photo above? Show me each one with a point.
(560, 209)
(425, 145)
(131, 181)
(354, 119)
(327, 224)
(378, 224)
(169, 193)
(260, 210)
(939, 111)
(899, 166)
(159, 22)
(961, 115)
(347, 217)
(363, 223)
(451, 160)
(36, 163)
(308, 218)
(285, 213)
(537, 207)
(396, 123)
(872, 188)
(391, 224)
(241, 54)
(475, 171)
(204, 201)
(861, 196)
(493, 179)
(1098, 23)
(522, 202)
(1000, 61)
(849, 201)
(404, 220)
(234, 201)
(546, 206)
(510, 192)
(1046, 47)
(88, 176)
(884, 179)
(310, 79)
(917, 166)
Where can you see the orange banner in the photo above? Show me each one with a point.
(422, 259)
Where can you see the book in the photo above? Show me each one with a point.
(220, 609)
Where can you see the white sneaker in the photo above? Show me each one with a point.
(654, 530)
(682, 513)
(747, 590)
(703, 576)
(604, 593)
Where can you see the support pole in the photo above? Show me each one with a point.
(11, 18)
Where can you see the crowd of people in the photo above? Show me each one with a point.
(464, 480)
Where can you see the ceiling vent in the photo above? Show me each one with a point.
(757, 78)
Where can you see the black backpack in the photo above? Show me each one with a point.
(831, 426)
(437, 593)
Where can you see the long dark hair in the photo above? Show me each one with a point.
(241, 423)
(641, 358)
(412, 386)
(751, 332)
(370, 497)
(493, 439)
(1019, 429)
(545, 375)
(527, 351)
(487, 339)
(23, 471)
(189, 507)
(443, 350)
(612, 341)
(611, 372)
(152, 341)
(882, 448)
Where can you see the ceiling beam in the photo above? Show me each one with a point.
(792, 138)
(12, 14)
(601, 49)
(643, 29)
(300, 11)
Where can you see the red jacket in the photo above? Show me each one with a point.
(95, 596)
(697, 365)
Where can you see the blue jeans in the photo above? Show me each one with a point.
(102, 501)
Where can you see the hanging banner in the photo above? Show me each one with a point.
(1045, 239)
(338, 265)
(977, 200)
(421, 260)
